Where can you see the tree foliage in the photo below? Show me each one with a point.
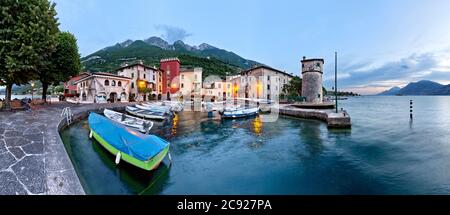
(63, 63)
(293, 89)
(27, 38)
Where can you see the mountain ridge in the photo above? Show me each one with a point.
(215, 61)
(423, 87)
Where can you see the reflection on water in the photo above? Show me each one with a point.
(174, 124)
(384, 153)
(139, 181)
(257, 125)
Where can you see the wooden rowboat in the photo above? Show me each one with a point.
(147, 114)
(141, 125)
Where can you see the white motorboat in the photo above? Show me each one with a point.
(237, 112)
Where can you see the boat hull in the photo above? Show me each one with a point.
(234, 116)
(146, 116)
(239, 113)
(137, 125)
(148, 165)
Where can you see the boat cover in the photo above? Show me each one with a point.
(140, 146)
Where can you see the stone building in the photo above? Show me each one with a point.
(102, 87)
(312, 71)
(142, 77)
(261, 82)
(70, 88)
(190, 82)
(219, 90)
(170, 68)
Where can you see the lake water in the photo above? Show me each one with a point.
(20, 96)
(384, 153)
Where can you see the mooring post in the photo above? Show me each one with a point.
(410, 109)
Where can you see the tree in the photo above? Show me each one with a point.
(144, 90)
(27, 38)
(58, 89)
(62, 64)
(293, 89)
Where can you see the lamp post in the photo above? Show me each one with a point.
(32, 90)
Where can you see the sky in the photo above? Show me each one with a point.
(380, 43)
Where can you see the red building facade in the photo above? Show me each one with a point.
(170, 75)
(70, 88)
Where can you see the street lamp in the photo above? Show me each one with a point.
(32, 90)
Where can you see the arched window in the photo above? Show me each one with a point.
(119, 83)
(106, 83)
(132, 85)
(113, 83)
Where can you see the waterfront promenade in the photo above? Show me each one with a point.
(33, 159)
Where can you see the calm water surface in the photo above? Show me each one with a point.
(384, 153)
(21, 96)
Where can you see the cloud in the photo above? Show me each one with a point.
(427, 66)
(172, 33)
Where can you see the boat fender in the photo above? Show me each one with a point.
(118, 158)
(90, 134)
(170, 157)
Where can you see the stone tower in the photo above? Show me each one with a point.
(312, 71)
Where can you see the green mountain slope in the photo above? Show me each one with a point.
(214, 61)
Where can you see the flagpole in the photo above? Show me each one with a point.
(335, 81)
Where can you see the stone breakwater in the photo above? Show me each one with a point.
(333, 120)
(33, 159)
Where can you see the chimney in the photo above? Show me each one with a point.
(304, 57)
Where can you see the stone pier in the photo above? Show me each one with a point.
(33, 159)
(333, 119)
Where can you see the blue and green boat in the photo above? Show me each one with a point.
(141, 150)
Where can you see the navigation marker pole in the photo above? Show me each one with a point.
(335, 81)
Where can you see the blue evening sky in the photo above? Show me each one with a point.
(381, 43)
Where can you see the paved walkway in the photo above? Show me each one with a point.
(33, 159)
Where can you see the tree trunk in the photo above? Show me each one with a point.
(8, 93)
(44, 91)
